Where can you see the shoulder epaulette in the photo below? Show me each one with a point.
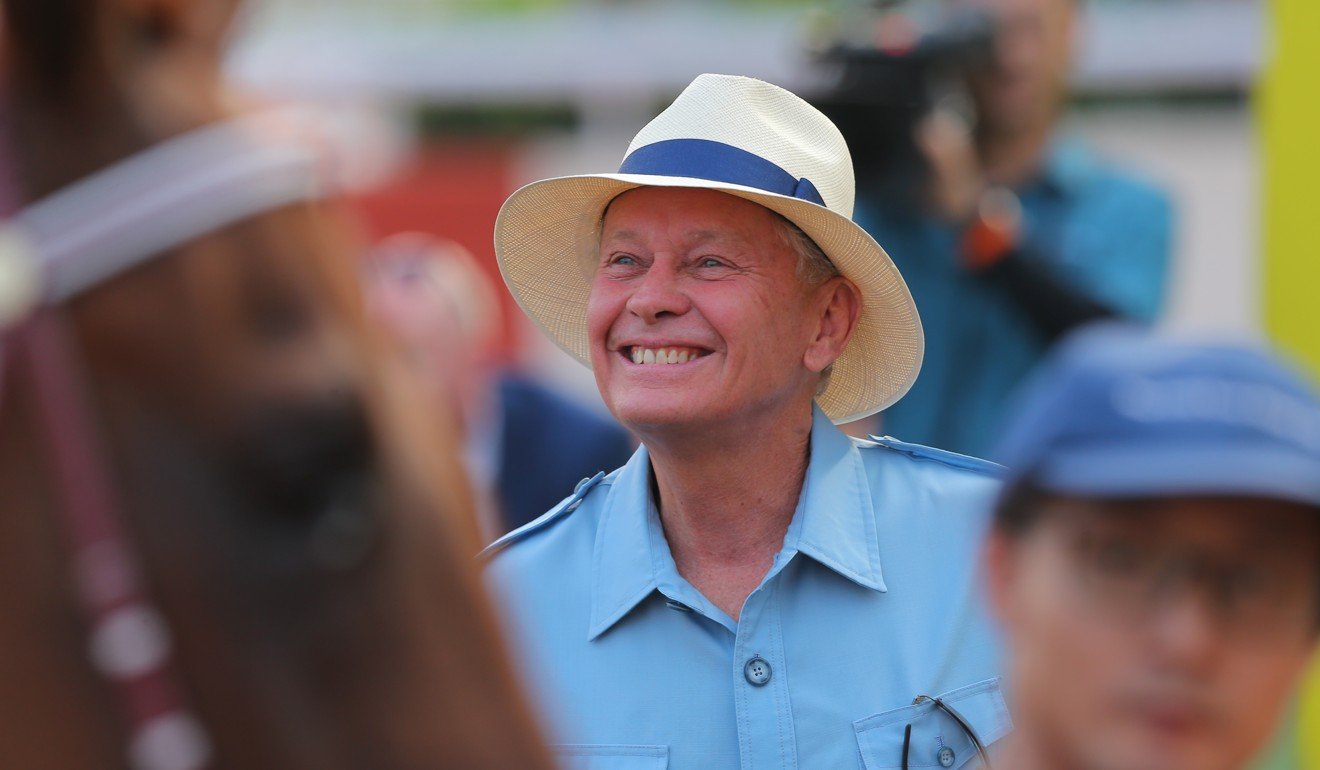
(565, 507)
(952, 459)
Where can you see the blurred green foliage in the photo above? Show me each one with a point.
(434, 121)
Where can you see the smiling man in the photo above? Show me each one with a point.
(754, 588)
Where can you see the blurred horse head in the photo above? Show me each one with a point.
(225, 537)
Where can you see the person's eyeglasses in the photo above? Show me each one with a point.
(956, 717)
(1251, 594)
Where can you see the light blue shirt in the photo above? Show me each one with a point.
(873, 600)
(1105, 232)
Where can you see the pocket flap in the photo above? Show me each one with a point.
(937, 740)
(612, 757)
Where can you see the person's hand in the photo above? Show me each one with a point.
(956, 181)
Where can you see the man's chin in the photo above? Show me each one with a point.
(1144, 745)
(1153, 759)
(648, 418)
(666, 411)
(1011, 114)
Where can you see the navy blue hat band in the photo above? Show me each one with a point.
(717, 162)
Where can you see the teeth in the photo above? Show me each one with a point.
(641, 355)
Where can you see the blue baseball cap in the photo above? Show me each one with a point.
(1118, 412)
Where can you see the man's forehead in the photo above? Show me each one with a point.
(696, 215)
(694, 234)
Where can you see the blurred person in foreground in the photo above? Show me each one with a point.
(525, 444)
(1020, 234)
(754, 588)
(1155, 558)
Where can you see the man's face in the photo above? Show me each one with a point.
(704, 281)
(1026, 77)
(1152, 634)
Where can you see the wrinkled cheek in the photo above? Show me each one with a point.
(603, 307)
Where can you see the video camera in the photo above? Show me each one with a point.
(889, 63)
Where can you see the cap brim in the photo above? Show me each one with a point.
(1155, 470)
(548, 232)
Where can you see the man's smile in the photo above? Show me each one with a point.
(669, 354)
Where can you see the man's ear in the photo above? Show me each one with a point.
(999, 572)
(839, 305)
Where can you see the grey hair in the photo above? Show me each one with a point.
(813, 269)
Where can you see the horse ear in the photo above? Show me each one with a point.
(174, 21)
(45, 42)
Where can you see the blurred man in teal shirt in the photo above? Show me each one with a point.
(1020, 234)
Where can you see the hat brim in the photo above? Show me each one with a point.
(548, 232)
(1156, 470)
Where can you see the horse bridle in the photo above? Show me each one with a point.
(66, 244)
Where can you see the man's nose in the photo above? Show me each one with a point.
(659, 294)
(1187, 629)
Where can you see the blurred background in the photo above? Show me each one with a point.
(455, 103)
(450, 105)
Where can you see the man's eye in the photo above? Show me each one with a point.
(710, 262)
(1252, 581)
(623, 259)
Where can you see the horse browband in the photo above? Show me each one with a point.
(63, 245)
(166, 195)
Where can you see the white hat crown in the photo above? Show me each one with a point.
(765, 121)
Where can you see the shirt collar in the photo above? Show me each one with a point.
(623, 565)
(835, 518)
(834, 524)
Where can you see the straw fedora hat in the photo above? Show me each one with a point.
(743, 137)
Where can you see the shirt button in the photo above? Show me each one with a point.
(757, 672)
(946, 757)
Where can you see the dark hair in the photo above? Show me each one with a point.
(1018, 507)
(53, 35)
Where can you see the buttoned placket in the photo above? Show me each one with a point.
(759, 675)
(758, 672)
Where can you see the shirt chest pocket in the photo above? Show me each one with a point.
(936, 738)
(612, 757)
